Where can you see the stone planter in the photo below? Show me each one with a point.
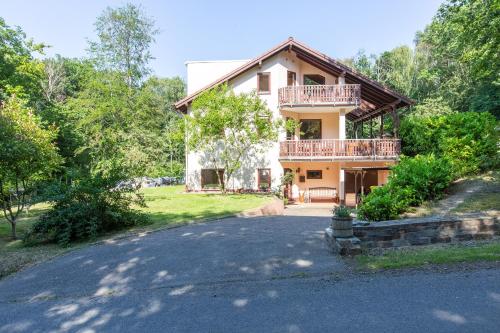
(342, 227)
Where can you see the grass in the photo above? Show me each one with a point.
(479, 202)
(169, 205)
(425, 256)
(166, 206)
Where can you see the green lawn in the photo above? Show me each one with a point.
(169, 205)
(166, 206)
(424, 256)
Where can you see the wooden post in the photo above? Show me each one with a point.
(356, 130)
(381, 134)
(371, 128)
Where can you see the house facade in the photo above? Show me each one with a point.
(330, 156)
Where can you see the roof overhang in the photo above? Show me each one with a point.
(377, 99)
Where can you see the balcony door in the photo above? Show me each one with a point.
(310, 129)
(291, 79)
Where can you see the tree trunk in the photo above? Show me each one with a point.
(14, 233)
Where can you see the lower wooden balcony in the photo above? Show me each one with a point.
(336, 149)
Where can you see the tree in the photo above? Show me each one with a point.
(226, 126)
(125, 35)
(463, 41)
(20, 73)
(27, 155)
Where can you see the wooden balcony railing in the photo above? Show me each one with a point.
(339, 94)
(375, 149)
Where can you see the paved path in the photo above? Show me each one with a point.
(309, 209)
(267, 274)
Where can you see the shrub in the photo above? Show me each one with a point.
(385, 203)
(427, 176)
(87, 208)
(468, 140)
(341, 211)
(413, 180)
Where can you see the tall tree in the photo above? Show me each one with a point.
(125, 35)
(20, 72)
(27, 155)
(463, 40)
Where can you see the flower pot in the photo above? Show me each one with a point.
(342, 227)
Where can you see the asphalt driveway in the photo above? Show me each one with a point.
(264, 274)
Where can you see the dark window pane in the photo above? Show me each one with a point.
(209, 179)
(310, 129)
(289, 133)
(313, 79)
(264, 179)
(314, 174)
(264, 84)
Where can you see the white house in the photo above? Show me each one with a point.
(324, 95)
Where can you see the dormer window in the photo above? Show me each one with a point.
(264, 83)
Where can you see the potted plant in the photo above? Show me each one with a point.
(342, 222)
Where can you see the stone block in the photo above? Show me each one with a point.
(342, 246)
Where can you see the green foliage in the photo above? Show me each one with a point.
(385, 203)
(455, 60)
(341, 211)
(20, 73)
(134, 129)
(468, 140)
(426, 175)
(125, 35)
(27, 156)
(413, 181)
(432, 107)
(87, 208)
(463, 41)
(225, 126)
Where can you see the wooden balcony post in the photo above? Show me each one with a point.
(381, 134)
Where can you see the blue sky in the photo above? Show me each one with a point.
(213, 29)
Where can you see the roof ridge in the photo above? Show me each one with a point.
(291, 42)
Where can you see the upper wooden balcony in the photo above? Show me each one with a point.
(320, 95)
(336, 149)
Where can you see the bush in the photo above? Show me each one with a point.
(412, 181)
(385, 203)
(427, 176)
(468, 140)
(87, 208)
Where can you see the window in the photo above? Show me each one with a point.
(264, 83)
(314, 174)
(264, 179)
(209, 179)
(310, 129)
(289, 133)
(291, 78)
(313, 79)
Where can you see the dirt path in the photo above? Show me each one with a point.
(459, 191)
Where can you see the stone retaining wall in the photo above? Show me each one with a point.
(422, 231)
(275, 207)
